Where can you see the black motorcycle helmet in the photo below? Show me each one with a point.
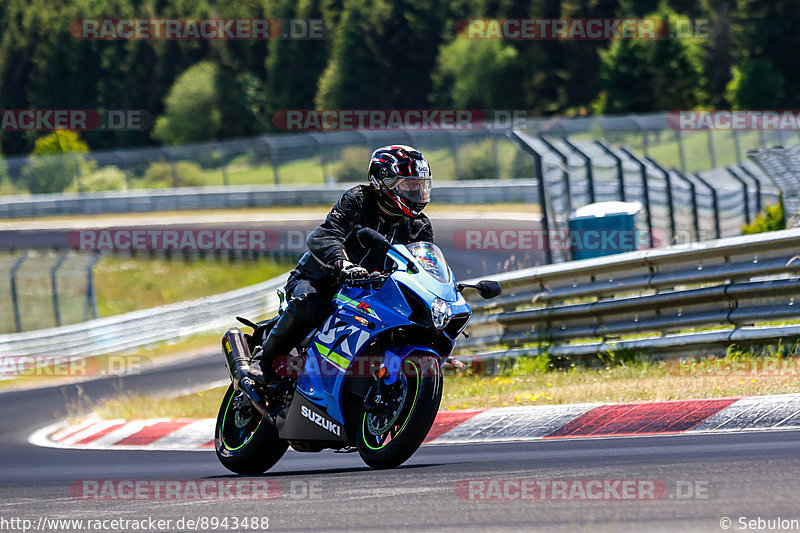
(402, 178)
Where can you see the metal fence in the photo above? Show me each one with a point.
(47, 288)
(695, 298)
(148, 326)
(318, 158)
(558, 173)
(678, 207)
(563, 174)
(783, 167)
(689, 299)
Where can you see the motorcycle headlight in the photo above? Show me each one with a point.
(440, 313)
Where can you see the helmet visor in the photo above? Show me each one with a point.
(414, 189)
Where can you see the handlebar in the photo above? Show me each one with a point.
(375, 277)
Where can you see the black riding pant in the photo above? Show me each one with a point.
(309, 304)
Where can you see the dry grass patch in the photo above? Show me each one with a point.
(532, 382)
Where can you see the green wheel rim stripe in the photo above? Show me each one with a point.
(222, 432)
(414, 403)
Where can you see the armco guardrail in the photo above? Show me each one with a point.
(577, 308)
(644, 300)
(148, 326)
(145, 200)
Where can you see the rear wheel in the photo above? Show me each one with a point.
(389, 437)
(246, 443)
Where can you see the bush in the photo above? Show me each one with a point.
(352, 165)
(187, 174)
(108, 178)
(56, 160)
(771, 219)
(476, 162)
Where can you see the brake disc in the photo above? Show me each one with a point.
(242, 410)
(380, 423)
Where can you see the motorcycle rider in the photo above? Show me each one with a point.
(400, 183)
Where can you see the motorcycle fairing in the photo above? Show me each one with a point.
(343, 336)
(306, 421)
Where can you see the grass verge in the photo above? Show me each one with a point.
(531, 382)
(122, 284)
(25, 373)
(125, 284)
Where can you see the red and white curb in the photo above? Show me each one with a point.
(459, 427)
(96, 433)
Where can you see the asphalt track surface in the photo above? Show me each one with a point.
(708, 477)
(466, 263)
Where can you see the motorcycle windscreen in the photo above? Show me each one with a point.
(431, 258)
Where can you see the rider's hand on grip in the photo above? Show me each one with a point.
(350, 271)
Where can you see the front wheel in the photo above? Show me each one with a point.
(246, 443)
(387, 438)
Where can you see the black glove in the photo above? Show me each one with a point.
(349, 270)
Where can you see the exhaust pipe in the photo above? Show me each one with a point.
(237, 359)
(237, 355)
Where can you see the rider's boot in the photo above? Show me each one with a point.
(285, 335)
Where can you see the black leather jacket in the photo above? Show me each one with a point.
(335, 239)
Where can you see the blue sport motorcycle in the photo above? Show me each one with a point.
(369, 379)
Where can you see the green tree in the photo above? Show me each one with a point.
(624, 78)
(243, 72)
(755, 85)
(290, 87)
(718, 58)
(768, 31)
(474, 74)
(192, 111)
(42, 65)
(383, 54)
(582, 66)
(57, 159)
(652, 75)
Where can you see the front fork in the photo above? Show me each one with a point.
(388, 375)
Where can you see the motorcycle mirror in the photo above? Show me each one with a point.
(369, 237)
(488, 289)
